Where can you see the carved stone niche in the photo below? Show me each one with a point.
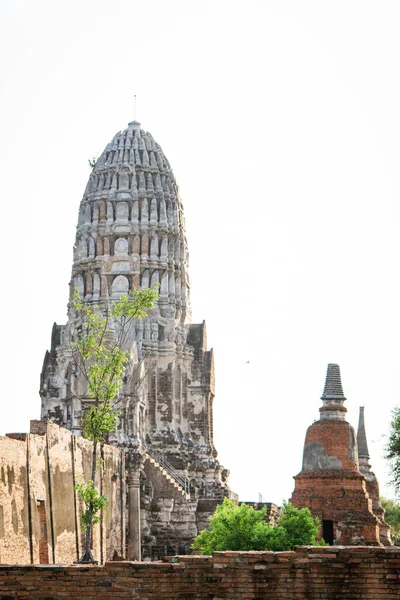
(121, 224)
(120, 286)
(121, 263)
(121, 247)
(79, 285)
(91, 248)
(123, 180)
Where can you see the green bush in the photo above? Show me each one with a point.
(234, 527)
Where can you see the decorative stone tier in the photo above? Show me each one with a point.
(131, 228)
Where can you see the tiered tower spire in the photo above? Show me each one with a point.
(363, 452)
(333, 397)
(131, 233)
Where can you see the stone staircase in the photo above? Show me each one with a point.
(177, 481)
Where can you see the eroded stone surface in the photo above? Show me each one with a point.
(131, 232)
(40, 513)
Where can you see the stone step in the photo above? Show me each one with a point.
(169, 477)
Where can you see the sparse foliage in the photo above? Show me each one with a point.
(392, 518)
(93, 501)
(393, 448)
(92, 161)
(98, 352)
(234, 527)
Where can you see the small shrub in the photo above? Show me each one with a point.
(234, 527)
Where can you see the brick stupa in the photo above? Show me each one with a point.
(330, 483)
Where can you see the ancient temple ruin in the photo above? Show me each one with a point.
(161, 469)
(336, 482)
(131, 232)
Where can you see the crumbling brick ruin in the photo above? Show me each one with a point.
(336, 481)
(161, 472)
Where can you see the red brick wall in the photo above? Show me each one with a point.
(337, 494)
(333, 573)
(21, 437)
(334, 436)
(38, 427)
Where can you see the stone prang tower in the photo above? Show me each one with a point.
(131, 232)
(335, 482)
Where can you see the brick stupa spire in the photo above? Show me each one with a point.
(362, 437)
(333, 397)
(333, 383)
(330, 483)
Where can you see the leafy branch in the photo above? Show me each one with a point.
(98, 351)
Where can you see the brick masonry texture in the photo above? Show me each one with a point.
(337, 494)
(333, 573)
(338, 487)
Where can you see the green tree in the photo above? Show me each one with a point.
(234, 527)
(295, 527)
(393, 448)
(97, 349)
(392, 518)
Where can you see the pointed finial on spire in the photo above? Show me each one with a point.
(333, 397)
(362, 437)
(333, 389)
(134, 125)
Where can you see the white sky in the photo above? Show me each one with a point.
(282, 123)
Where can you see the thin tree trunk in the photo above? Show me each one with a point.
(87, 556)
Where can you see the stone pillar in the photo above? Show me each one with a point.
(134, 533)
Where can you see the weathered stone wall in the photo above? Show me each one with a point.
(38, 499)
(14, 518)
(169, 516)
(333, 573)
(39, 508)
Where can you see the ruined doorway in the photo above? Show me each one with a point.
(327, 531)
(43, 542)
